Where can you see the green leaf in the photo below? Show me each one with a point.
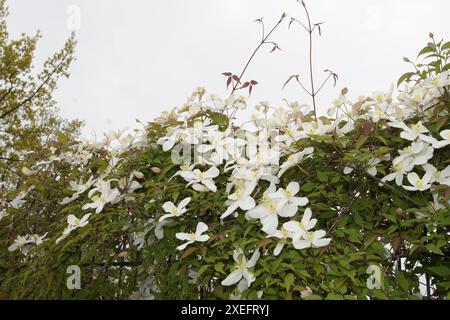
(446, 46)
(343, 289)
(361, 140)
(405, 77)
(219, 267)
(322, 176)
(445, 284)
(308, 187)
(425, 50)
(399, 202)
(219, 118)
(188, 252)
(440, 270)
(202, 270)
(289, 281)
(434, 248)
(334, 296)
(353, 235)
(379, 294)
(358, 219)
(402, 281)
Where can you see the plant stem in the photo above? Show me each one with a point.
(311, 71)
(263, 41)
(411, 200)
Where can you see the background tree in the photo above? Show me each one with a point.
(29, 119)
(30, 127)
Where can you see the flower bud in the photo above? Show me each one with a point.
(155, 170)
(138, 175)
(27, 172)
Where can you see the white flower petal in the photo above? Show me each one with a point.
(201, 227)
(288, 211)
(247, 203)
(232, 278)
(251, 263)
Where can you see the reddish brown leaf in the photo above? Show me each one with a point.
(245, 85)
(335, 78)
(396, 243)
(318, 27)
(188, 252)
(447, 193)
(296, 76)
(228, 82)
(290, 22)
(367, 128)
(264, 242)
(334, 75)
(227, 74)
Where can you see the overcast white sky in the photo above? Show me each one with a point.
(137, 58)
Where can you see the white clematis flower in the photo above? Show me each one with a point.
(283, 235)
(438, 176)
(128, 184)
(419, 152)
(291, 134)
(19, 243)
(287, 196)
(19, 200)
(314, 128)
(169, 141)
(241, 198)
(295, 159)
(298, 229)
(413, 132)
(174, 211)
(222, 144)
(445, 134)
(419, 184)
(185, 168)
(26, 243)
(74, 223)
(107, 195)
(401, 167)
(311, 239)
(242, 268)
(269, 210)
(37, 239)
(372, 166)
(78, 188)
(193, 237)
(159, 229)
(370, 169)
(441, 80)
(202, 181)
